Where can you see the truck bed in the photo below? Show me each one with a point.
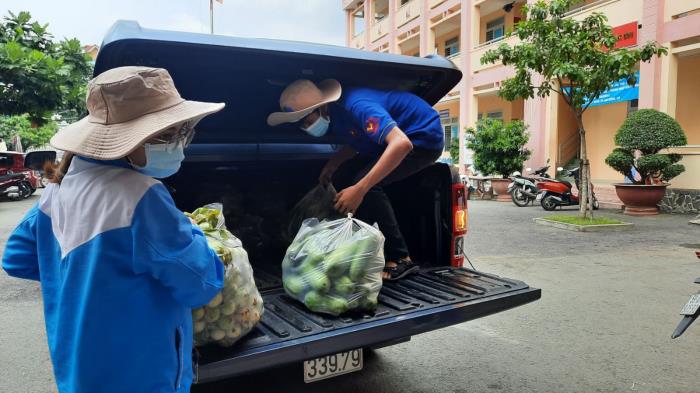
(429, 300)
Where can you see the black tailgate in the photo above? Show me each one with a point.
(433, 299)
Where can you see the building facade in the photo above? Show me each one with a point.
(462, 30)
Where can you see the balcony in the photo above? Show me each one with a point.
(358, 41)
(379, 29)
(479, 51)
(435, 3)
(408, 12)
(618, 12)
(456, 59)
(675, 8)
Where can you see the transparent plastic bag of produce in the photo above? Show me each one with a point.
(238, 307)
(318, 203)
(335, 266)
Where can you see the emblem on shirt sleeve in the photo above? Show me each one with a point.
(372, 125)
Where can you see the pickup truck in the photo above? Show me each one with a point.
(259, 172)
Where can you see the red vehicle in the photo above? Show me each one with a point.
(12, 162)
(554, 193)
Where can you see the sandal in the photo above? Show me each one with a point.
(403, 268)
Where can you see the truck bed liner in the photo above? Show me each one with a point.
(426, 301)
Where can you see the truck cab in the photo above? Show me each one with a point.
(259, 172)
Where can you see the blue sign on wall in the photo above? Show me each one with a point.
(620, 91)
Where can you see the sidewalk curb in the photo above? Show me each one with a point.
(585, 228)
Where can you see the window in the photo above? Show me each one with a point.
(452, 47)
(632, 106)
(495, 29)
(497, 115)
(5, 161)
(448, 136)
(358, 22)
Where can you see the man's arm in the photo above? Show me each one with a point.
(342, 155)
(398, 147)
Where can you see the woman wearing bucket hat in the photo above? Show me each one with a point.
(389, 136)
(120, 266)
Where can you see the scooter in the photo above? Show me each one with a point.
(15, 187)
(690, 311)
(522, 189)
(554, 193)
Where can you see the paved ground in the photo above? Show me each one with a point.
(609, 305)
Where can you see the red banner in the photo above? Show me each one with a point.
(626, 35)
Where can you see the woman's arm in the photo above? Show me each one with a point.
(20, 256)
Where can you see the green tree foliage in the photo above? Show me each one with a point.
(499, 148)
(454, 151)
(37, 75)
(22, 125)
(648, 131)
(576, 59)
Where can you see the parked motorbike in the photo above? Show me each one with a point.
(15, 187)
(554, 193)
(690, 311)
(523, 189)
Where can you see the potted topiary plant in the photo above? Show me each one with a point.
(499, 149)
(640, 139)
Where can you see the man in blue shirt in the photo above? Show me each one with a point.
(388, 136)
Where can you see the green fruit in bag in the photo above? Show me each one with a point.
(336, 305)
(318, 281)
(339, 261)
(343, 286)
(314, 300)
(364, 253)
(294, 285)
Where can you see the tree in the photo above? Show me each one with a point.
(498, 148)
(30, 136)
(648, 131)
(37, 75)
(454, 151)
(576, 59)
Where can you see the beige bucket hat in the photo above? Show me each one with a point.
(301, 97)
(127, 106)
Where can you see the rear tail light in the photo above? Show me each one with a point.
(460, 223)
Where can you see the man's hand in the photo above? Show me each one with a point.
(349, 199)
(327, 173)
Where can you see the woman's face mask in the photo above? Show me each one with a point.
(162, 160)
(318, 128)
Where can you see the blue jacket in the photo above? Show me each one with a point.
(120, 269)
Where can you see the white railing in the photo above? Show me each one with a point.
(358, 41)
(408, 12)
(676, 7)
(479, 51)
(380, 29)
(435, 3)
(618, 12)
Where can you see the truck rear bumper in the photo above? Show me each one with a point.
(431, 300)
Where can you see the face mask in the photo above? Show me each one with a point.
(318, 128)
(162, 160)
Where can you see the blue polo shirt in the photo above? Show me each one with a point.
(363, 117)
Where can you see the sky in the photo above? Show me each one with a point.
(320, 21)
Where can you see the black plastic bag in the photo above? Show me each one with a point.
(318, 203)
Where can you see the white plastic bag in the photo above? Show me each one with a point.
(335, 266)
(238, 307)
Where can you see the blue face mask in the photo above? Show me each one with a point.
(319, 127)
(162, 160)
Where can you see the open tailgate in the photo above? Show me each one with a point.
(433, 299)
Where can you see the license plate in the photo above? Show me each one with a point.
(332, 365)
(539, 197)
(692, 306)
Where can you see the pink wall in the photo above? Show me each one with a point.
(650, 73)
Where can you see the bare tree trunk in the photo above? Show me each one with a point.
(584, 172)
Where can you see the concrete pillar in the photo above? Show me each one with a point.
(368, 23)
(535, 117)
(669, 84)
(393, 6)
(427, 41)
(650, 73)
(467, 102)
(349, 30)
